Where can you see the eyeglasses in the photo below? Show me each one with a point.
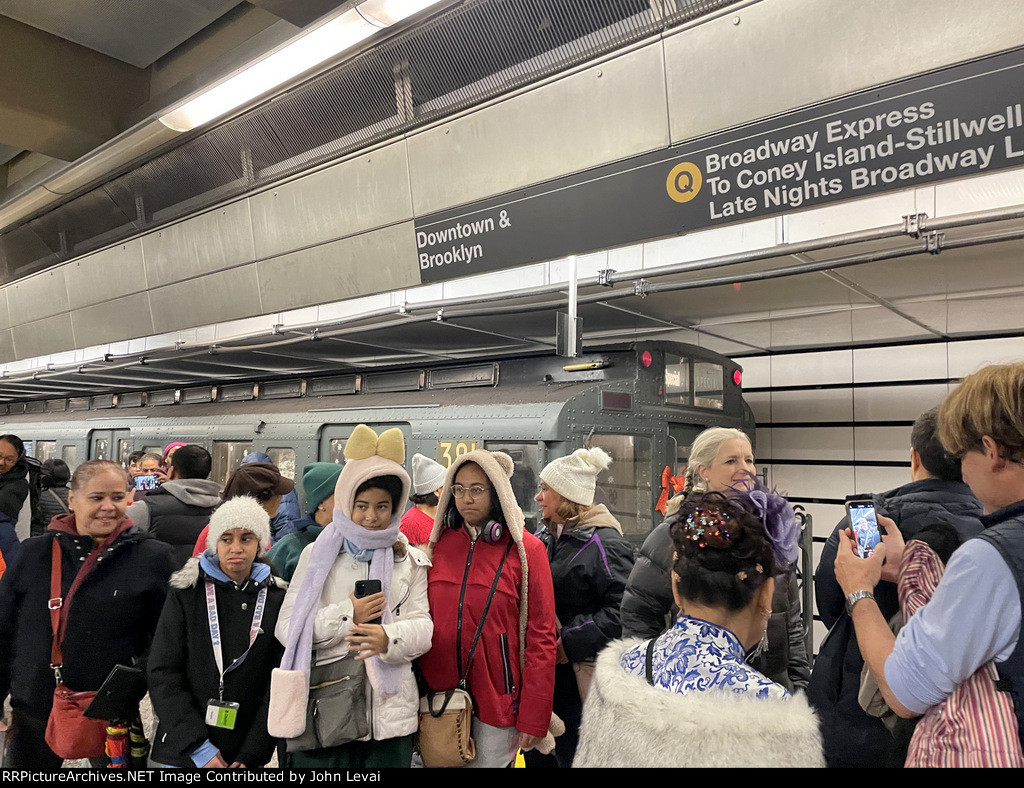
(474, 492)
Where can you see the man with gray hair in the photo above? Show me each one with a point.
(936, 494)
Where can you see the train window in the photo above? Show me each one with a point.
(227, 456)
(677, 380)
(338, 451)
(708, 385)
(526, 478)
(124, 449)
(46, 450)
(70, 455)
(284, 459)
(625, 488)
(101, 449)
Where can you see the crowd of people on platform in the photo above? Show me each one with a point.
(326, 640)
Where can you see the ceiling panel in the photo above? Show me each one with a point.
(137, 32)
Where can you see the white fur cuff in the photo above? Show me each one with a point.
(289, 691)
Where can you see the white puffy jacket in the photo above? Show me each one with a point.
(409, 634)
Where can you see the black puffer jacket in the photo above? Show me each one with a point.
(648, 607)
(110, 621)
(851, 737)
(183, 673)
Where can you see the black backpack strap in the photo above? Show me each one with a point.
(649, 662)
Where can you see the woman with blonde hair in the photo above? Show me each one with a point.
(687, 697)
(721, 460)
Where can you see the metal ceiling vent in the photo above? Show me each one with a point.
(463, 56)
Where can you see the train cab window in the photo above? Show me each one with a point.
(338, 451)
(45, 450)
(284, 459)
(526, 478)
(708, 385)
(227, 456)
(677, 380)
(625, 488)
(124, 449)
(70, 455)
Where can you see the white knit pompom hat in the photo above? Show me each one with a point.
(241, 512)
(575, 477)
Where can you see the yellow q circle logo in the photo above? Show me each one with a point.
(684, 182)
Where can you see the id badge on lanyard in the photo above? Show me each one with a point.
(221, 713)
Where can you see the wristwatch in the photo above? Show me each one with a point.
(855, 597)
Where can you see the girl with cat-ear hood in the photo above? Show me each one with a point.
(479, 536)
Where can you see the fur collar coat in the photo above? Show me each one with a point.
(629, 723)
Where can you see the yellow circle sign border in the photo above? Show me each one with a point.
(696, 181)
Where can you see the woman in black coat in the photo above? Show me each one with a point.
(721, 460)
(109, 620)
(184, 676)
(14, 490)
(590, 562)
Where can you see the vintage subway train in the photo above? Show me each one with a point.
(644, 402)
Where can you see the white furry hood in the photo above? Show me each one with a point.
(629, 723)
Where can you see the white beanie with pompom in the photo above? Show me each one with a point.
(575, 477)
(242, 512)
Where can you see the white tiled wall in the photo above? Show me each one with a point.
(833, 423)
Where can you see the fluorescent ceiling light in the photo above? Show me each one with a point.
(300, 55)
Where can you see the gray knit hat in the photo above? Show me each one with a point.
(575, 477)
(427, 475)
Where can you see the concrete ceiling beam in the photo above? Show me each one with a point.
(59, 98)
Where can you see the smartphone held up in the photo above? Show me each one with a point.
(866, 531)
(367, 588)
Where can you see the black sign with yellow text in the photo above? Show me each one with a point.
(960, 121)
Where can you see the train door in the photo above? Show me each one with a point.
(113, 445)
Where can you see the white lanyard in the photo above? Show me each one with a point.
(254, 630)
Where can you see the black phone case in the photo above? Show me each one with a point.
(119, 695)
(362, 591)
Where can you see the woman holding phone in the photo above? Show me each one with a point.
(334, 618)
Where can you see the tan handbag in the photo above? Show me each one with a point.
(445, 722)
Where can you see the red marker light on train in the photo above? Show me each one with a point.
(737, 377)
(646, 358)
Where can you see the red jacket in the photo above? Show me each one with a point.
(501, 695)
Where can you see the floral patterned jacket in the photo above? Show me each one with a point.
(697, 656)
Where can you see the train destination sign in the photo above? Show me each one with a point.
(957, 122)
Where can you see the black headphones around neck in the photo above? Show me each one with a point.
(490, 533)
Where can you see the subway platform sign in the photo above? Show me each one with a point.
(960, 121)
